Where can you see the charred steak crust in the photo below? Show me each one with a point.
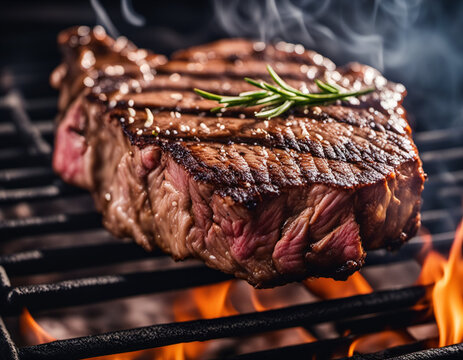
(268, 201)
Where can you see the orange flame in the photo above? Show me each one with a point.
(326, 288)
(379, 341)
(447, 293)
(32, 331)
(298, 334)
(204, 302)
(356, 284)
(35, 334)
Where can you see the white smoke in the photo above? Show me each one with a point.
(129, 14)
(103, 19)
(354, 27)
(409, 40)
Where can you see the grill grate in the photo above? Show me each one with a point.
(26, 131)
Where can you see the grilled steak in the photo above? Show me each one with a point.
(270, 201)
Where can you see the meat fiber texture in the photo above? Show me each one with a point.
(269, 201)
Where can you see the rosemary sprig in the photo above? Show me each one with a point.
(279, 97)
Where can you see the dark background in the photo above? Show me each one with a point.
(429, 32)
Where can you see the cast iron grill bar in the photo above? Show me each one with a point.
(322, 349)
(396, 319)
(16, 157)
(73, 257)
(410, 352)
(393, 351)
(451, 352)
(8, 349)
(106, 287)
(22, 177)
(31, 135)
(7, 346)
(438, 138)
(9, 134)
(47, 192)
(238, 325)
(446, 178)
(325, 349)
(48, 224)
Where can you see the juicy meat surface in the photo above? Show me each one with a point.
(270, 201)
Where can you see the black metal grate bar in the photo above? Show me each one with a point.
(26, 177)
(100, 288)
(8, 349)
(396, 319)
(391, 352)
(323, 349)
(17, 157)
(238, 325)
(72, 257)
(48, 224)
(31, 194)
(451, 352)
(410, 352)
(31, 135)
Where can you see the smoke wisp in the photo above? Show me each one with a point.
(415, 42)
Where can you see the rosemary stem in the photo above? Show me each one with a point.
(280, 97)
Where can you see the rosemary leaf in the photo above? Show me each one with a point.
(278, 90)
(326, 87)
(268, 99)
(208, 95)
(279, 81)
(282, 108)
(259, 84)
(237, 100)
(255, 94)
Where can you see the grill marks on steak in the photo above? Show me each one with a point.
(357, 155)
(269, 201)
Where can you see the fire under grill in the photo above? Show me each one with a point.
(27, 108)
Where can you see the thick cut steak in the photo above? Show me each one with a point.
(270, 201)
